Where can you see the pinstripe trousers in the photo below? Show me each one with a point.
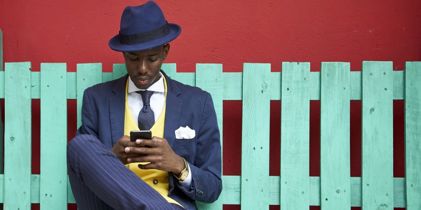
(100, 181)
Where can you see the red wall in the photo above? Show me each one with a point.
(228, 32)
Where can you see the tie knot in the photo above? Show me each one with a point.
(146, 96)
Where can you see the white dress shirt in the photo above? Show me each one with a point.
(157, 102)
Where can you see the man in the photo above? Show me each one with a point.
(181, 164)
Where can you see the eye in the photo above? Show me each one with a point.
(153, 59)
(133, 58)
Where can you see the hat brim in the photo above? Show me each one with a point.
(116, 45)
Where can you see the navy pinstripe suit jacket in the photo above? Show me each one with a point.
(103, 116)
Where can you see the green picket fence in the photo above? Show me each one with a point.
(377, 85)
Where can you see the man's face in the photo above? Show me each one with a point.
(143, 66)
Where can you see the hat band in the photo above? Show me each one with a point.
(144, 37)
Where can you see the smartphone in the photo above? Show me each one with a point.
(142, 134)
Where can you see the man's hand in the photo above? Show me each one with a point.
(157, 152)
(119, 149)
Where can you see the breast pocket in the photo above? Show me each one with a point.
(185, 148)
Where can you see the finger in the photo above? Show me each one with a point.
(125, 142)
(144, 142)
(142, 150)
(148, 166)
(147, 158)
(135, 150)
(119, 149)
(153, 138)
(122, 157)
(144, 159)
(155, 142)
(130, 144)
(130, 151)
(124, 139)
(131, 155)
(136, 160)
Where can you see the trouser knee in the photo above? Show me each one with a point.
(77, 147)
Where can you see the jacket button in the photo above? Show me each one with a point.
(155, 181)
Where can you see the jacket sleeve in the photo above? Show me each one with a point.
(88, 115)
(206, 183)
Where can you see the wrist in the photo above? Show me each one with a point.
(179, 166)
(182, 174)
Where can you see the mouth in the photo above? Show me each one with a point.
(142, 82)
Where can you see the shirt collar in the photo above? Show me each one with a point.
(158, 86)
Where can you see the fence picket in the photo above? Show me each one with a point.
(413, 135)
(255, 137)
(209, 78)
(17, 167)
(334, 137)
(53, 177)
(119, 70)
(377, 135)
(295, 184)
(86, 76)
(170, 69)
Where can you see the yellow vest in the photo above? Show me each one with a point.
(157, 179)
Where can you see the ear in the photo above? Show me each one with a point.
(166, 49)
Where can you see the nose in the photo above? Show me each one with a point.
(142, 67)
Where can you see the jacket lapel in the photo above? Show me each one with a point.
(173, 109)
(116, 109)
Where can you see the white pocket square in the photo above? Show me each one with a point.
(185, 133)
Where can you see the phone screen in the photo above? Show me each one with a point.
(142, 134)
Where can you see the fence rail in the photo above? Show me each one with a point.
(377, 85)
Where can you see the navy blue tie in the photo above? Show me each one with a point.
(146, 117)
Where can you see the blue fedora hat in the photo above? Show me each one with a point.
(143, 27)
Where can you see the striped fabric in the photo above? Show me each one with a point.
(100, 181)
